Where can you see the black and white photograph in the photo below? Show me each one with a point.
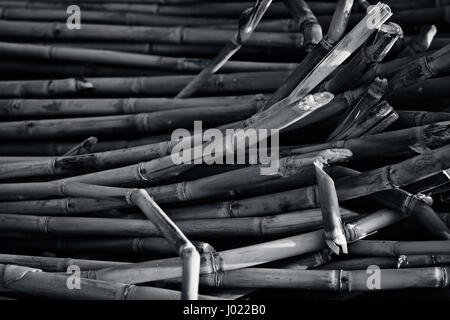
(240, 153)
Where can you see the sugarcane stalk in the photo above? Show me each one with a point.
(427, 89)
(125, 246)
(430, 184)
(409, 119)
(59, 148)
(187, 251)
(15, 108)
(384, 248)
(43, 69)
(76, 206)
(165, 166)
(403, 261)
(142, 122)
(48, 52)
(45, 284)
(416, 206)
(89, 162)
(184, 50)
(244, 257)
(419, 43)
(256, 82)
(277, 225)
(421, 68)
(306, 22)
(335, 280)
(90, 16)
(52, 264)
(160, 221)
(366, 183)
(392, 144)
(247, 23)
(177, 35)
(307, 261)
(228, 182)
(335, 32)
(331, 216)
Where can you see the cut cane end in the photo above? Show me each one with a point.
(335, 155)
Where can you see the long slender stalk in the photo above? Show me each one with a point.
(244, 257)
(245, 83)
(247, 23)
(390, 144)
(403, 261)
(306, 22)
(44, 284)
(188, 35)
(150, 122)
(335, 280)
(277, 225)
(18, 108)
(48, 52)
(366, 183)
(396, 248)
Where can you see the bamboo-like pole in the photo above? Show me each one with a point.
(43, 69)
(428, 89)
(331, 215)
(384, 248)
(124, 18)
(44, 284)
(247, 23)
(116, 58)
(151, 122)
(408, 119)
(366, 183)
(334, 280)
(306, 22)
(390, 144)
(124, 246)
(433, 184)
(403, 261)
(244, 257)
(84, 163)
(277, 225)
(252, 82)
(417, 206)
(77, 206)
(17, 108)
(43, 148)
(408, 71)
(52, 264)
(178, 35)
(164, 168)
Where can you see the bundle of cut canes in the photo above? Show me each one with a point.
(353, 98)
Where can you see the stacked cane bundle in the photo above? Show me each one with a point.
(349, 170)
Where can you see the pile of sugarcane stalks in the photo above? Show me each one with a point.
(346, 186)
